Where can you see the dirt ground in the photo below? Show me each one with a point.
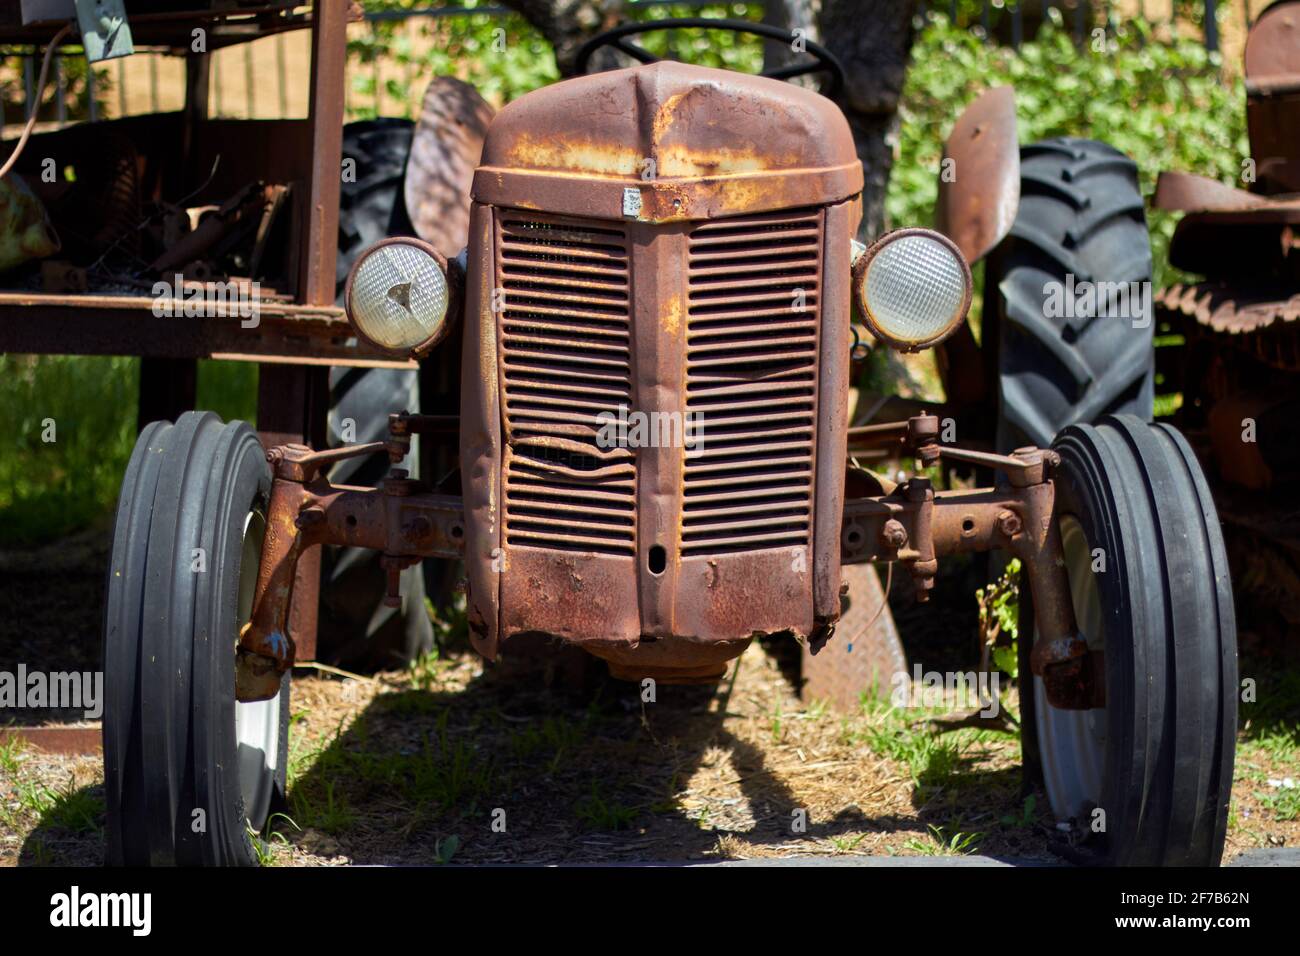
(452, 761)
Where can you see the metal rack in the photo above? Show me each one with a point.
(300, 332)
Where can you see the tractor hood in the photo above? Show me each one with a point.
(681, 137)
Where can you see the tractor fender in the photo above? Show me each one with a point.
(979, 178)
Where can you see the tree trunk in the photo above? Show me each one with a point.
(874, 45)
(791, 15)
(568, 24)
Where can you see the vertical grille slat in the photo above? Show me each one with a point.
(751, 374)
(565, 330)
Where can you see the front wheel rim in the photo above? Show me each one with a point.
(257, 723)
(1072, 743)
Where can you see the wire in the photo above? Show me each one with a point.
(40, 93)
(884, 599)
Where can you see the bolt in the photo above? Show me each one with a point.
(893, 535)
(1009, 523)
(417, 528)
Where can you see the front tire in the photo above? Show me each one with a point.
(1146, 780)
(191, 775)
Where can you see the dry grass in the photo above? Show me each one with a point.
(385, 773)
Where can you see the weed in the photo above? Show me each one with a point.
(10, 753)
(1283, 803)
(846, 844)
(999, 617)
(78, 811)
(445, 849)
(1026, 817)
(959, 844)
(597, 813)
(425, 671)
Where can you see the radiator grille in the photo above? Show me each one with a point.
(751, 380)
(566, 357)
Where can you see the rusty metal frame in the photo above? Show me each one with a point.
(306, 330)
(909, 524)
(294, 339)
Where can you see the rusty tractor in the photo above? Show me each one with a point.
(1239, 367)
(657, 297)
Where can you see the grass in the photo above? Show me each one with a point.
(65, 808)
(373, 780)
(942, 844)
(597, 812)
(337, 782)
(10, 752)
(425, 670)
(70, 425)
(1269, 741)
(553, 736)
(933, 758)
(68, 431)
(1283, 803)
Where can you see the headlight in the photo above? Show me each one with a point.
(913, 288)
(397, 296)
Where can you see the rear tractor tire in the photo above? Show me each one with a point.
(1080, 226)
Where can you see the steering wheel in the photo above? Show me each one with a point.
(823, 60)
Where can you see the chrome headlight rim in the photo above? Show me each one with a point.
(863, 264)
(444, 327)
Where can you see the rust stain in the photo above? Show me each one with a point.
(680, 159)
(544, 152)
(672, 318)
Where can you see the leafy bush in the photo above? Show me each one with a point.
(87, 406)
(1166, 106)
(504, 57)
(70, 425)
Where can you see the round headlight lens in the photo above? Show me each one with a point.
(914, 288)
(397, 295)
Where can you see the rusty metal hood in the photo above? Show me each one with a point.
(695, 142)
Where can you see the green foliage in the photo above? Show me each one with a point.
(597, 813)
(1167, 106)
(77, 810)
(504, 57)
(49, 488)
(1284, 804)
(445, 848)
(1026, 817)
(716, 48)
(944, 844)
(999, 605)
(76, 90)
